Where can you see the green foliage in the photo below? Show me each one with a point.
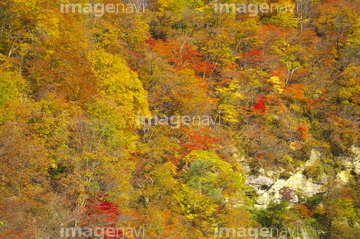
(275, 216)
(213, 177)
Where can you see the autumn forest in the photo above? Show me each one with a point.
(179, 119)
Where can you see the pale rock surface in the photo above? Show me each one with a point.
(356, 160)
(269, 189)
(268, 184)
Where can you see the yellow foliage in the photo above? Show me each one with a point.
(276, 83)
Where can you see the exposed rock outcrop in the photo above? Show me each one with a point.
(269, 189)
(268, 185)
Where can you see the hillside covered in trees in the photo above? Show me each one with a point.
(162, 115)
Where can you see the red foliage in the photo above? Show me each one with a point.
(151, 42)
(136, 54)
(198, 140)
(300, 129)
(99, 209)
(184, 56)
(259, 106)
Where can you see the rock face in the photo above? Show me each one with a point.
(356, 160)
(350, 166)
(261, 181)
(269, 186)
(270, 189)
